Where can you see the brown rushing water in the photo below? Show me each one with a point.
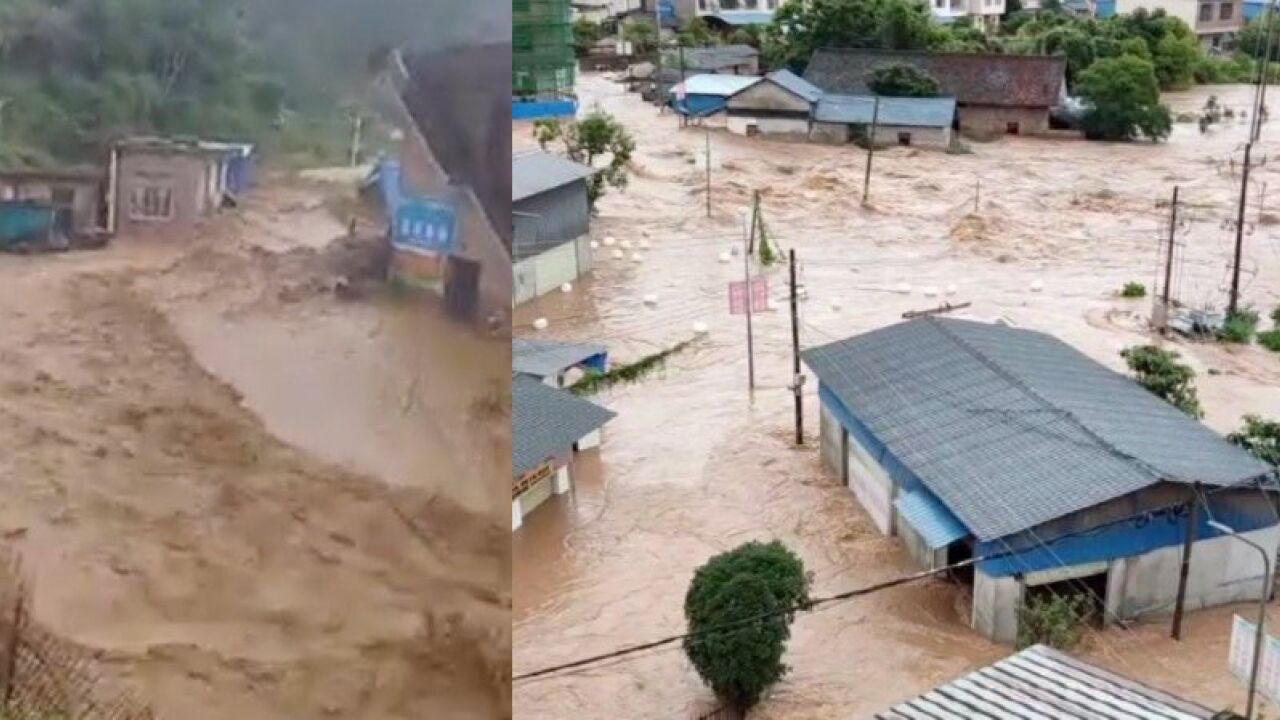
(694, 465)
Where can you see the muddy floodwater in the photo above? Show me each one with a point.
(695, 463)
(252, 497)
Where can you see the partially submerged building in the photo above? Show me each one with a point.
(549, 426)
(551, 218)
(780, 103)
(717, 59)
(1040, 682)
(76, 196)
(158, 184)
(555, 362)
(923, 122)
(994, 94)
(974, 440)
(707, 95)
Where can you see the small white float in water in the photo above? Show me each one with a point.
(802, 293)
(644, 244)
(566, 288)
(609, 241)
(595, 245)
(836, 304)
(904, 288)
(725, 257)
(952, 289)
(646, 233)
(625, 244)
(651, 300)
(1037, 285)
(771, 305)
(700, 328)
(931, 291)
(617, 255)
(734, 250)
(540, 324)
(637, 258)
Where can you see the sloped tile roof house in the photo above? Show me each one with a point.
(995, 94)
(981, 440)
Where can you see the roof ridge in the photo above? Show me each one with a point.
(1026, 389)
(927, 53)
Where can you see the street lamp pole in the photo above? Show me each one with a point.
(1262, 610)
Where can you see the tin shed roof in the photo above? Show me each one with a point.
(717, 85)
(541, 358)
(536, 172)
(795, 84)
(1011, 428)
(546, 421)
(1041, 682)
(907, 112)
(973, 79)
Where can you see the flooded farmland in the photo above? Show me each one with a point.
(696, 463)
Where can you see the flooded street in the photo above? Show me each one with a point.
(695, 464)
(240, 489)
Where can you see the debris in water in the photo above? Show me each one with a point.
(566, 288)
(904, 289)
(637, 258)
(1037, 285)
(609, 241)
(700, 328)
(650, 299)
(952, 289)
(724, 257)
(625, 244)
(617, 255)
(595, 245)
(836, 304)
(540, 324)
(931, 291)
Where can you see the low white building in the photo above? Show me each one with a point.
(549, 427)
(782, 103)
(551, 219)
(918, 122)
(984, 14)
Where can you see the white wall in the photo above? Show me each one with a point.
(542, 273)
(1185, 10)
(995, 606)
(871, 485)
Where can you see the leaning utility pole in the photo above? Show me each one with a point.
(1234, 301)
(746, 277)
(707, 128)
(1192, 509)
(871, 150)
(1168, 263)
(797, 380)
(657, 42)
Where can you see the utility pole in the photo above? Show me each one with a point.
(707, 128)
(684, 117)
(1168, 263)
(1234, 301)
(977, 194)
(657, 24)
(355, 139)
(746, 276)
(871, 150)
(755, 219)
(796, 378)
(1188, 541)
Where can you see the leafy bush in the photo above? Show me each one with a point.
(1124, 100)
(1270, 339)
(902, 81)
(1240, 326)
(1160, 372)
(1134, 290)
(598, 135)
(1260, 437)
(753, 593)
(1055, 620)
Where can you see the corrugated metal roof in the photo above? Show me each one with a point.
(541, 358)
(909, 112)
(536, 172)
(931, 519)
(715, 57)
(745, 17)
(1040, 682)
(718, 85)
(1011, 428)
(546, 421)
(796, 84)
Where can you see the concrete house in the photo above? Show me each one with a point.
(556, 363)
(974, 440)
(548, 427)
(158, 184)
(707, 95)
(782, 103)
(551, 218)
(921, 122)
(721, 59)
(76, 195)
(1043, 682)
(995, 94)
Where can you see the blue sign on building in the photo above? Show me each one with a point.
(667, 11)
(424, 226)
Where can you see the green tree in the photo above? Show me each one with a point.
(596, 137)
(902, 81)
(1252, 39)
(642, 35)
(1260, 437)
(696, 33)
(739, 608)
(586, 32)
(800, 27)
(1124, 100)
(1175, 61)
(1159, 371)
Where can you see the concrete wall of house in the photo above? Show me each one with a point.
(542, 273)
(871, 485)
(86, 202)
(986, 121)
(769, 97)
(925, 137)
(829, 132)
(832, 448)
(917, 548)
(995, 606)
(185, 176)
(797, 127)
(552, 217)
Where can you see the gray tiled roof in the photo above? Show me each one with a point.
(715, 57)
(536, 172)
(1011, 428)
(976, 79)
(541, 358)
(907, 112)
(1044, 683)
(546, 421)
(796, 84)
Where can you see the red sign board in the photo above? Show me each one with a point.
(738, 296)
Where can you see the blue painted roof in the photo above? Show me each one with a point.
(909, 112)
(931, 519)
(715, 84)
(796, 84)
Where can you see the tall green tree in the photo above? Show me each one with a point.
(739, 608)
(596, 138)
(1123, 99)
(800, 27)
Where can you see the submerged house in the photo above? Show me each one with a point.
(706, 95)
(994, 94)
(549, 426)
(924, 122)
(76, 196)
(973, 440)
(157, 184)
(551, 217)
(557, 363)
(782, 103)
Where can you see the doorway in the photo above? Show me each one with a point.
(462, 288)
